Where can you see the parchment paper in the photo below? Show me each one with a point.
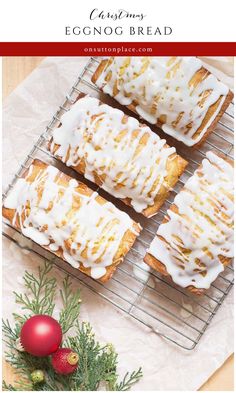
(166, 367)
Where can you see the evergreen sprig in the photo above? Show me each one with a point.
(71, 305)
(40, 299)
(97, 363)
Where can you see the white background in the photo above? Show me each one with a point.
(45, 20)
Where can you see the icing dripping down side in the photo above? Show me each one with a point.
(63, 218)
(141, 271)
(165, 90)
(201, 229)
(129, 159)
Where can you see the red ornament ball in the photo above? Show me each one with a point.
(65, 361)
(41, 335)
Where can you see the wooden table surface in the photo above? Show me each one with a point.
(15, 69)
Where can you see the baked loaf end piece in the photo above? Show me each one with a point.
(195, 240)
(118, 153)
(176, 93)
(69, 219)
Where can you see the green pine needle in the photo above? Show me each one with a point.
(129, 380)
(41, 291)
(97, 363)
(71, 305)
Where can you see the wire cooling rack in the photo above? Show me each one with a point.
(171, 312)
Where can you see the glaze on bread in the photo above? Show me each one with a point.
(176, 93)
(195, 240)
(118, 153)
(67, 218)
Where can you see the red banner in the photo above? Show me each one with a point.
(117, 48)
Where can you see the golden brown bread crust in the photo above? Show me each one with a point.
(202, 73)
(101, 67)
(213, 125)
(127, 240)
(161, 268)
(175, 167)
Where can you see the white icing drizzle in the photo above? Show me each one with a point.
(63, 214)
(162, 89)
(190, 243)
(96, 133)
(141, 271)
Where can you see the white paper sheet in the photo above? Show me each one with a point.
(166, 367)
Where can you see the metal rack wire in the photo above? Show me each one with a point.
(171, 312)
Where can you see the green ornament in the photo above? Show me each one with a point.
(37, 376)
